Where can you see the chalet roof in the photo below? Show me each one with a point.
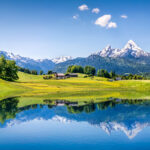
(60, 75)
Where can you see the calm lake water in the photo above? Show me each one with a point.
(60, 125)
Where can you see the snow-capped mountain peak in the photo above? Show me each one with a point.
(108, 51)
(108, 47)
(29, 63)
(132, 45)
(131, 49)
(35, 64)
(61, 59)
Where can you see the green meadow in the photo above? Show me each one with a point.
(34, 87)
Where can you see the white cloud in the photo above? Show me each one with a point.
(83, 7)
(75, 17)
(103, 21)
(95, 10)
(112, 25)
(124, 16)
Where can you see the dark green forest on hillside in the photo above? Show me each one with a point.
(118, 65)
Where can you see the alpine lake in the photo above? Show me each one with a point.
(119, 124)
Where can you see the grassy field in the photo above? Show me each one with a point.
(82, 89)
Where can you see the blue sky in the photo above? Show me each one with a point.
(51, 28)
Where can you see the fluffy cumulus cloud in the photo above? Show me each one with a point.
(75, 17)
(112, 25)
(83, 7)
(124, 16)
(103, 21)
(95, 10)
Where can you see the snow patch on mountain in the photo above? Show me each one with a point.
(131, 49)
(35, 64)
(61, 59)
(108, 52)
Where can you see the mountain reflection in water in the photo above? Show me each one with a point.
(129, 116)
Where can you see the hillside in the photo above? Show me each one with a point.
(76, 89)
(119, 65)
(130, 59)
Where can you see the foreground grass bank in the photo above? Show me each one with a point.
(74, 88)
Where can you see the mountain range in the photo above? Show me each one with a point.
(131, 58)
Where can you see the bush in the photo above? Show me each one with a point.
(90, 75)
(47, 77)
(85, 76)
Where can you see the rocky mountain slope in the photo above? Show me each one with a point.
(131, 49)
(130, 59)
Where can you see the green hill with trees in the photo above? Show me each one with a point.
(118, 65)
(89, 85)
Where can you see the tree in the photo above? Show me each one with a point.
(89, 70)
(80, 69)
(11, 71)
(112, 74)
(41, 72)
(106, 74)
(69, 69)
(135, 77)
(34, 72)
(2, 66)
(27, 71)
(8, 69)
(130, 77)
(49, 72)
(98, 73)
(101, 73)
(75, 69)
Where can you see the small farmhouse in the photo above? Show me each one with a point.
(60, 76)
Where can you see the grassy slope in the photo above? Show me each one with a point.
(73, 89)
(10, 89)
